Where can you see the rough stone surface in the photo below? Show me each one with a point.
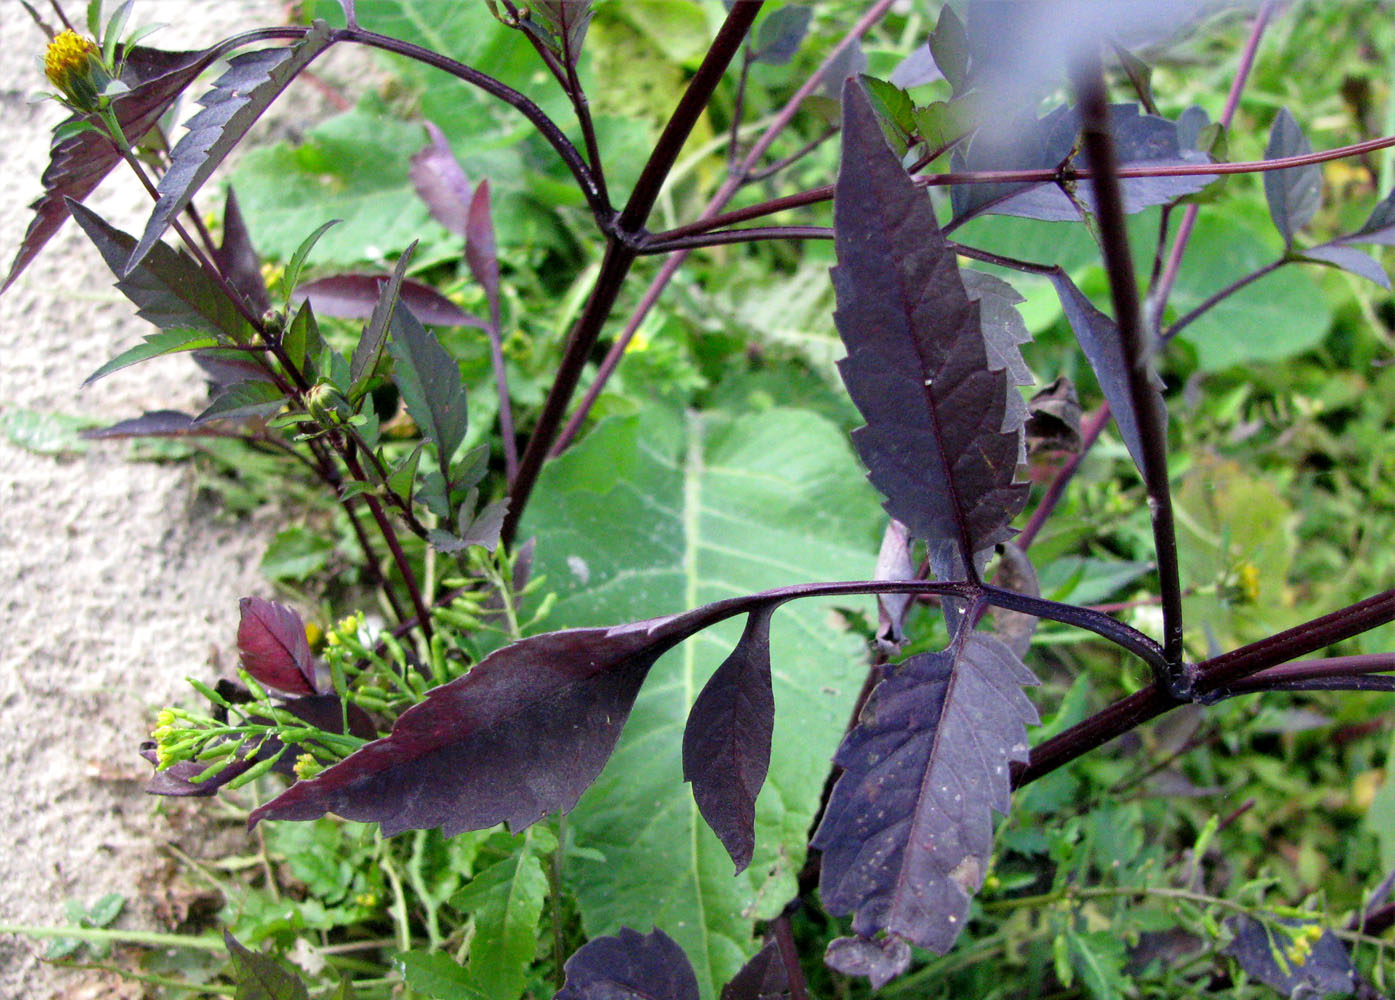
(119, 579)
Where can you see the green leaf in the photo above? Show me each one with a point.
(429, 380)
(238, 98)
(291, 277)
(258, 977)
(1098, 959)
(45, 433)
(302, 339)
(295, 553)
(156, 344)
(436, 975)
(1281, 314)
(655, 513)
(106, 909)
(404, 474)
(244, 399)
(507, 900)
(168, 289)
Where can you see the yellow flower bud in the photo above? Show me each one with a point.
(73, 64)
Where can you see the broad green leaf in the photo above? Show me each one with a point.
(155, 345)
(507, 900)
(437, 975)
(429, 380)
(653, 514)
(1281, 314)
(238, 98)
(168, 289)
(45, 433)
(295, 553)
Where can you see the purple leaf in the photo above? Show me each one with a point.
(481, 252)
(259, 977)
(1328, 967)
(441, 183)
(429, 380)
(168, 288)
(566, 21)
(238, 98)
(880, 961)
(238, 259)
(520, 736)
(908, 829)
(918, 366)
(369, 350)
(1356, 261)
(354, 296)
(1293, 194)
(1379, 228)
(157, 423)
(764, 977)
(781, 35)
(271, 640)
(225, 368)
(177, 780)
(1030, 144)
(630, 966)
(1100, 340)
(79, 163)
(726, 743)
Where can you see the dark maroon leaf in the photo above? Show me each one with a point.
(168, 288)
(908, 829)
(893, 563)
(259, 977)
(630, 966)
(567, 21)
(520, 736)
(271, 640)
(177, 780)
(79, 163)
(238, 98)
(371, 343)
(1379, 228)
(481, 252)
(762, 978)
(1053, 421)
(1347, 258)
(1016, 573)
(225, 368)
(441, 183)
(1327, 969)
(238, 259)
(1293, 194)
(781, 34)
(1028, 143)
(880, 961)
(157, 423)
(726, 743)
(918, 365)
(430, 383)
(353, 296)
(1100, 340)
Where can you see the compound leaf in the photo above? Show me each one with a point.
(271, 640)
(168, 288)
(908, 830)
(630, 966)
(79, 162)
(726, 744)
(918, 365)
(429, 380)
(1293, 194)
(520, 736)
(507, 901)
(238, 98)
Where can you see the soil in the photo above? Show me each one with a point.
(122, 578)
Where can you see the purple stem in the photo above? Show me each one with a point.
(1163, 290)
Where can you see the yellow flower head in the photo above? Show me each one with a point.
(67, 54)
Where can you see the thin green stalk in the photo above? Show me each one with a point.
(107, 935)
